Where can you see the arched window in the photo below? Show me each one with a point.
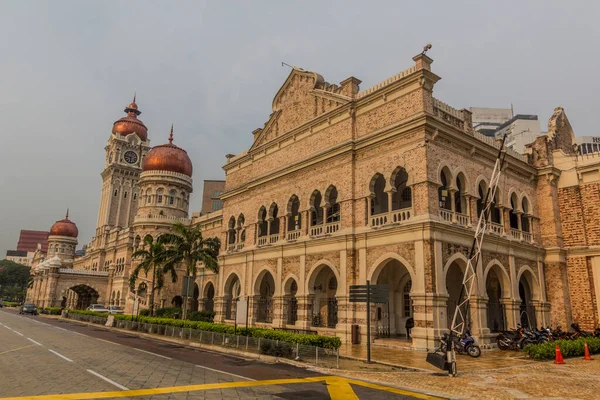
(402, 196)
(110, 157)
(512, 213)
(294, 219)
(116, 192)
(241, 221)
(406, 299)
(460, 201)
(159, 196)
(262, 222)
(148, 196)
(495, 209)
(525, 217)
(316, 209)
(333, 207)
(231, 230)
(444, 190)
(274, 219)
(172, 197)
(379, 198)
(482, 192)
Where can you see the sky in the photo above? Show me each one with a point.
(212, 68)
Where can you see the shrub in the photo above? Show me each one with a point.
(170, 312)
(568, 348)
(328, 342)
(85, 312)
(206, 316)
(11, 304)
(145, 312)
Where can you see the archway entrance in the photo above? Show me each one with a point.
(290, 302)
(323, 288)
(208, 298)
(454, 283)
(496, 314)
(82, 296)
(390, 319)
(232, 293)
(264, 289)
(526, 309)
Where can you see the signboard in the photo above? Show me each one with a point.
(241, 311)
(377, 293)
(187, 289)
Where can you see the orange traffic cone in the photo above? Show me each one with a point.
(559, 357)
(586, 351)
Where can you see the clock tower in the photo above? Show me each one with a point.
(125, 151)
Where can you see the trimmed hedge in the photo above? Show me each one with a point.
(206, 316)
(85, 312)
(327, 342)
(169, 312)
(11, 303)
(175, 313)
(51, 310)
(568, 348)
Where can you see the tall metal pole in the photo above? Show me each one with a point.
(368, 322)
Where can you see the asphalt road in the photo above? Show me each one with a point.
(42, 356)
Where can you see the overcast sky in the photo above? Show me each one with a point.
(68, 68)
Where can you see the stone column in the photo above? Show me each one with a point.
(478, 317)
(453, 204)
(511, 311)
(278, 321)
(219, 306)
(305, 312)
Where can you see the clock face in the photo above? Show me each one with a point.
(130, 157)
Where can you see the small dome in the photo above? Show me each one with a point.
(168, 157)
(131, 123)
(64, 227)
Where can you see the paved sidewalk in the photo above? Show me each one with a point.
(578, 379)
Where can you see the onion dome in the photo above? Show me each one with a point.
(131, 123)
(168, 157)
(64, 227)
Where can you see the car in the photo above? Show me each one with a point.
(28, 308)
(115, 310)
(98, 308)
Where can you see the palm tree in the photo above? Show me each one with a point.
(186, 245)
(152, 257)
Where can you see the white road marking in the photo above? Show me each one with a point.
(77, 333)
(154, 354)
(224, 372)
(107, 380)
(62, 329)
(18, 333)
(60, 355)
(31, 340)
(108, 341)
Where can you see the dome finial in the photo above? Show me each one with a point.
(171, 135)
(134, 94)
(67, 216)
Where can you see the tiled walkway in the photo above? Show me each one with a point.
(490, 359)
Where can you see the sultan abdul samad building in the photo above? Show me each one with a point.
(341, 186)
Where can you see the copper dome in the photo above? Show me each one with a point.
(131, 123)
(64, 227)
(168, 157)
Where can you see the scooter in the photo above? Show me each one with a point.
(463, 345)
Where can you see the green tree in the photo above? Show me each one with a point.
(13, 279)
(185, 245)
(152, 256)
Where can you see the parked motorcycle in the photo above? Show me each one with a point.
(463, 345)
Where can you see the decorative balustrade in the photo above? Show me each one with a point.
(163, 219)
(394, 217)
(462, 219)
(526, 237)
(82, 272)
(332, 227)
(294, 235)
(239, 246)
(515, 234)
(273, 238)
(262, 240)
(446, 215)
(496, 228)
(316, 230)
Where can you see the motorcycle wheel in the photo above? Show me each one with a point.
(502, 344)
(474, 351)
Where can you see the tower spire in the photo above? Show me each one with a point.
(67, 216)
(171, 135)
(134, 95)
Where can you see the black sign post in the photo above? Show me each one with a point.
(366, 294)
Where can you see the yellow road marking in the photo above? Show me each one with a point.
(20, 348)
(338, 388)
